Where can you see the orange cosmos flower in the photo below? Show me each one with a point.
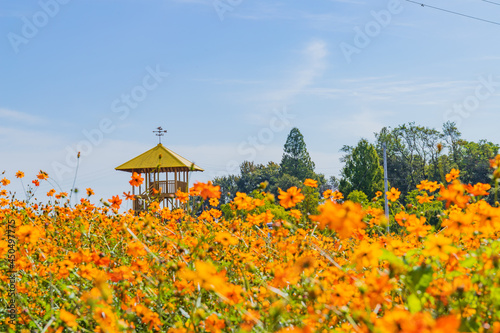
(207, 190)
(136, 248)
(343, 218)
(136, 179)
(378, 194)
(417, 226)
(311, 182)
(295, 213)
(495, 163)
(226, 239)
(424, 198)
(454, 194)
(427, 185)
(366, 255)
(478, 189)
(128, 196)
(337, 195)
(36, 182)
(90, 192)
(393, 194)
(115, 202)
(68, 318)
(5, 181)
(243, 201)
(454, 173)
(42, 175)
(28, 234)
(51, 193)
(439, 246)
(61, 195)
(182, 196)
(19, 174)
(291, 197)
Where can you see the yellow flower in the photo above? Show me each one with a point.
(291, 197)
(424, 198)
(344, 218)
(295, 213)
(226, 239)
(28, 234)
(393, 194)
(366, 255)
(311, 182)
(337, 195)
(136, 179)
(438, 246)
(454, 173)
(68, 318)
(182, 196)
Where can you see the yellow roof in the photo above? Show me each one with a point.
(160, 158)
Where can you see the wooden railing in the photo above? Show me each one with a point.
(139, 204)
(168, 186)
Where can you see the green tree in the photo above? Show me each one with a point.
(362, 170)
(228, 187)
(252, 175)
(412, 155)
(474, 161)
(296, 161)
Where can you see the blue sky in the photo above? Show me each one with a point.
(228, 79)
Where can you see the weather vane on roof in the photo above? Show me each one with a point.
(159, 133)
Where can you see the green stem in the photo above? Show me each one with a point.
(74, 179)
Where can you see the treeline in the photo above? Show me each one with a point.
(296, 166)
(414, 153)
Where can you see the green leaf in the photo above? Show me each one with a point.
(414, 304)
(421, 277)
(469, 262)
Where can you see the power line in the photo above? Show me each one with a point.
(495, 3)
(455, 13)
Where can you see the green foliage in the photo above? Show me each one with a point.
(310, 204)
(295, 167)
(228, 187)
(430, 210)
(284, 182)
(362, 170)
(358, 197)
(416, 153)
(296, 160)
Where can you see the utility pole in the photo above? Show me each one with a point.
(386, 187)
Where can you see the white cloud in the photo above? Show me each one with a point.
(315, 54)
(18, 116)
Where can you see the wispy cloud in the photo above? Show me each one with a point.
(418, 91)
(315, 54)
(18, 116)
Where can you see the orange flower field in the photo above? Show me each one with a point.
(302, 262)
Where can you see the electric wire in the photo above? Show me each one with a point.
(494, 3)
(455, 13)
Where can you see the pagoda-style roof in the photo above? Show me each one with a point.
(158, 158)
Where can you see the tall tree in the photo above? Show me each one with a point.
(362, 170)
(296, 161)
(474, 161)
